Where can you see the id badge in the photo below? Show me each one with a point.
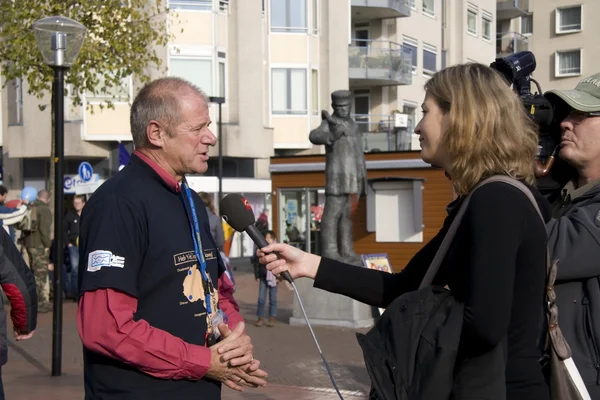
(215, 321)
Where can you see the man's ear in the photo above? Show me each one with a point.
(155, 133)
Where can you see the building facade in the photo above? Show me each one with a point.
(275, 62)
(561, 34)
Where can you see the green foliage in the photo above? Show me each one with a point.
(122, 40)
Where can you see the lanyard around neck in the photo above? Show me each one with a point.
(196, 238)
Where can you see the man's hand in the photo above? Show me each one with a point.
(231, 360)
(238, 351)
(248, 371)
(50, 267)
(23, 336)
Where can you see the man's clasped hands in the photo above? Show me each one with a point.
(232, 361)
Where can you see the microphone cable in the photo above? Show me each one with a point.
(316, 342)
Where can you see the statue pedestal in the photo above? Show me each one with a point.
(328, 309)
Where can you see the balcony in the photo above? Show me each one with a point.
(367, 10)
(380, 133)
(509, 9)
(508, 43)
(378, 63)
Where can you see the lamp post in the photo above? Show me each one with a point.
(219, 101)
(59, 39)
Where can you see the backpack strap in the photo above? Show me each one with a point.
(447, 241)
(555, 335)
(443, 249)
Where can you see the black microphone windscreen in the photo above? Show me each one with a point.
(236, 211)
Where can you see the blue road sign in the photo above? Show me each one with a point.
(85, 171)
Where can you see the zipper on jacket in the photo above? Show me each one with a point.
(590, 332)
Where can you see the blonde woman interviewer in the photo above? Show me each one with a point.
(473, 126)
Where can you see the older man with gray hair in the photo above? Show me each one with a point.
(574, 231)
(156, 314)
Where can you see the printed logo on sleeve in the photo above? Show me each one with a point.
(103, 258)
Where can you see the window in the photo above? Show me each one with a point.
(395, 210)
(410, 110)
(315, 92)
(288, 91)
(429, 7)
(197, 5)
(288, 16)
(429, 59)
(410, 43)
(527, 25)
(222, 92)
(119, 92)
(413, 4)
(223, 5)
(361, 37)
(472, 21)
(362, 108)
(14, 89)
(568, 19)
(194, 69)
(486, 25)
(568, 63)
(315, 17)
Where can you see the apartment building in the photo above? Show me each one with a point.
(275, 62)
(430, 35)
(561, 34)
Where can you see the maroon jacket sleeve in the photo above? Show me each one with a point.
(18, 284)
(227, 303)
(106, 326)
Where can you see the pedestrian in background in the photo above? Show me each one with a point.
(37, 242)
(216, 226)
(267, 283)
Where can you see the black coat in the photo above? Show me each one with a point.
(573, 237)
(496, 267)
(18, 283)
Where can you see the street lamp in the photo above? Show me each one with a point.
(219, 101)
(59, 39)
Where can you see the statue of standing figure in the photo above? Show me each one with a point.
(346, 174)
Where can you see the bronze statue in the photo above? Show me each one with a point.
(345, 172)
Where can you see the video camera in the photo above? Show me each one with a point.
(517, 69)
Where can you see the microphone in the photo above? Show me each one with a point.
(237, 212)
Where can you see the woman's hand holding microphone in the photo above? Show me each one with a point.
(280, 257)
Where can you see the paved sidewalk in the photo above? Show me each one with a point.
(287, 353)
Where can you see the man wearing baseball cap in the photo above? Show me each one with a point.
(574, 232)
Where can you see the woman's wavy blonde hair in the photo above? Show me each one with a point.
(489, 131)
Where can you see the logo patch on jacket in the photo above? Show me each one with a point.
(210, 254)
(597, 219)
(104, 258)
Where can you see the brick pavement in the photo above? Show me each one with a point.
(287, 353)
